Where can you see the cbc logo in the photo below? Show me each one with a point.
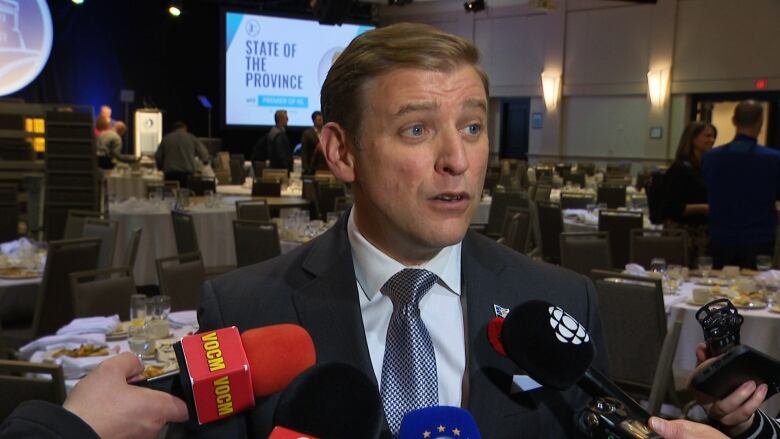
(25, 42)
(567, 330)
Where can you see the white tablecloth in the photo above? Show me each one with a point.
(125, 186)
(760, 330)
(213, 227)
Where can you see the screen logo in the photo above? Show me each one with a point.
(252, 28)
(26, 35)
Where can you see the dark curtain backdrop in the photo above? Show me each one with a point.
(103, 46)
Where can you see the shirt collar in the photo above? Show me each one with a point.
(744, 138)
(373, 268)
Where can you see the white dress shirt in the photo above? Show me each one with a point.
(440, 309)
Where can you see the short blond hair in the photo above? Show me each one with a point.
(376, 52)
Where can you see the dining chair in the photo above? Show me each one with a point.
(310, 189)
(549, 222)
(253, 210)
(584, 251)
(106, 230)
(575, 179)
(237, 175)
(613, 196)
(181, 277)
(103, 292)
(266, 187)
(9, 212)
(588, 168)
(618, 223)
(326, 197)
(25, 381)
(54, 302)
(131, 249)
(572, 200)
(639, 348)
(542, 192)
(342, 203)
(499, 203)
(74, 224)
(647, 244)
(517, 230)
(184, 232)
(255, 241)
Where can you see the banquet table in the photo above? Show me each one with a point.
(760, 330)
(213, 228)
(122, 186)
(294, 189)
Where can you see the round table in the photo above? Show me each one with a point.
(124, 186)
(213, 228)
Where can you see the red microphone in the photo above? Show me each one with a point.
(221, 372)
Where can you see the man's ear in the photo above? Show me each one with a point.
(337, 149)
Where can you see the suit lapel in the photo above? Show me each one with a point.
(328, 306)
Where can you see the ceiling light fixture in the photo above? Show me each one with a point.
(174, 8)
(474, 5)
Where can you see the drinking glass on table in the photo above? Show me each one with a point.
(763, 262)
(157, 325)
(705, 266)
(141, 344)
(137, 310)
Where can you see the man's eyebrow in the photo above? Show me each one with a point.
(476, 103)
(415, 107)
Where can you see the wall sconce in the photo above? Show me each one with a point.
(551, 87)
(658, 86)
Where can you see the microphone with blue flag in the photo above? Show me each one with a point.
(440, 422)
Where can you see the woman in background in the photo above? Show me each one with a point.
(684, 195)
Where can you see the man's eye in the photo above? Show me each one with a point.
(415, 131)
(473, 129)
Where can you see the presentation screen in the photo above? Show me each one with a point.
(274, 63)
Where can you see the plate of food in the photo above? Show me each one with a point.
(18, 273)
(83, 351)
(119, 333)
(775, 309)
(745, 302)
(711, 281)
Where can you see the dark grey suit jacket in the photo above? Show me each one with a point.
(315, 286)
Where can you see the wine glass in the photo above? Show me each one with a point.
(705, 266)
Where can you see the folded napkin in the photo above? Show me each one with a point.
(91, 325)
(180, 319)
(636, 270)
(769, 277)
(582, 216)
(78, 367)
(54, 342)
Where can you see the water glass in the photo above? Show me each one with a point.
(157, 309)
(137, 309)
(141, 344)
(763, 263)
(705, 266)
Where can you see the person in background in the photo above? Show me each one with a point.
(311, 154)
(105, 112)
(279, 148)
(683, 192)
(108, 145)
(176, 154)
(743, 183)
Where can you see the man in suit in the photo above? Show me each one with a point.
(311, 156)
(413, 144)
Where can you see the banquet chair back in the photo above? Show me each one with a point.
(54, 305)
(633, 321)
(584, 251)
(23, 381)
(550, 224)
(257, 168)
(326, 197)
(237, 175)
(498, 206)
(571, 200)
(518, 229)
(102, 292)
(253, 210)
(275, 173)
(181, 277)
(74, 224)
(618, 223)
(588, 168)
(671, 245)
(131, 250)
(9, 212)
(542, 192)
(613, 196)
(184, 232)
(265, 187)
(341, 204)
(256, 241)
(575, 179)
(106, 230)
(309, 192)
(199, 184)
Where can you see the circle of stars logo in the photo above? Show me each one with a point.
(442, 432)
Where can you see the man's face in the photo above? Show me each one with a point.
(105, 112)
(420, 165)
(318, 121)
(283, 119)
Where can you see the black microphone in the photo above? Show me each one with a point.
(555, 350)
(331, 401)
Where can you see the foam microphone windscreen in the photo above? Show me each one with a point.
(286, 351)
(549, 344)
(439, 422)
(331, 401)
